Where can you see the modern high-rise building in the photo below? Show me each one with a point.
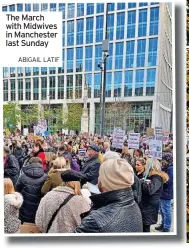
(139, 79)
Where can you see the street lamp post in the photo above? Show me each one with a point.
(101, 83)
(49, 114)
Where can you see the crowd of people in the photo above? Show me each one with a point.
(50, 183)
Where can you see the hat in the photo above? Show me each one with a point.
(94, 147)
(116, 174)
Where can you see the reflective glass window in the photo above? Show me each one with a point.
(89, 30)
(117, 83)
(79, 59)
(52, 70)
(150, 83)
(43, 70)
(128, 81)
(78, 86)
(27, 7)
(98, 56)
(108, 84)
(88, 81)
(12, 8)
(35, 7)
(27, 71)
(142, 25)
(141, 50)
(62, 9)
(28, 89)
(52, 87)
(61, 87)
(130, 46)
(131, 5)
(61, 69)
(63, 34)
(99, 8)
(154, 3)
(13, 90)
(139, 82)
(99, 28)
(4, 9)
(154, 21)
(5, 72)
(120, 26)
(80, 26)
(5, 90)
(70, 54)
(69, 89)
(110, 26)
(120, 6)
(70, 33)
(143, 4)
(111, 6)
(90, 8)
(71, 9)
(19, 7)
(97, 82)
(12, 72)
(80, 9)
(35, 71)
(20, 89)
(52, 6)
(88, 58)
(119, 56)
(36, 88)
(152, 51)
(20, 71)
(109, 59)
(131, 20)
(44, 6)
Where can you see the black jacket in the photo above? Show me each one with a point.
(29, 185)
(151, 197)
(12, 169)
(114, 211)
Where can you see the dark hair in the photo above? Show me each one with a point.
(38, 143)
(140, 152)
(63, 148)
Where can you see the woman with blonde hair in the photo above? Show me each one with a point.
(60, 209)
(59, 165)
(12, 203)
(49, 157)
(152, 186)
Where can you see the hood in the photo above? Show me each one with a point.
(162, 174)
(34, 170)
(14, 199)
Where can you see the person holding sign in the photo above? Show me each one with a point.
(152, 186)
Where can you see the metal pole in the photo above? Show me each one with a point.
(101, 83)
(104, 81)
(49, 117)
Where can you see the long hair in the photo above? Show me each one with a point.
(75, 186)
(61, 164)
(8, 186)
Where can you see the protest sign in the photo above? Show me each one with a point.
(81, 153)
(25, 131)
(134, 140)
(149, 132)
(158, 131)
(40, 129)
(118, 138)
(165, 139)
(155, 147)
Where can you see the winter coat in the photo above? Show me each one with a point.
(137, 190)
(68, 217)
(12, 204)
(29, 185)
(53, 180)
(167, 192)
(19, 153)
(12, 169)
(140, 176)
(151, 196)
(41, 154)
(114, 211)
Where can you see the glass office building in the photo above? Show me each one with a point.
(139, 66)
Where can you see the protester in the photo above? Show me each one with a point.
(49, 158)
(151, 192)
(12, 203)
(29, 185)
(38, 151)
(140, 167)
(114, 210)
(126, 155)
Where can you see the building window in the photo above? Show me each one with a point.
(109, 59)
(79, 59)
(154, 3)
(131, 5)
(13, 90)
(88, 58)
(89, 30)
(5, 90)
(12, 72)
(36, 88)
(98, 56)
(150, 83)
(141, 50)
(70, 59)
(78, 86)
(62, 9)
(43, 70)
(110, 26)
(71, 9)
(44, 88)
(152, 51)
(80, 26)
(27, 71)
(99, 8)
(12, 8)
(4, 9)
(70, 33)
(19, 7)
(99, 28)
(5, 72)
(139, 82)
(52, 70)
(119, 56)
(28, 89)
(111, 6)
(88, 81)
(142, 26)
(63, 34)
(80, 9)
(108, 84)
(97, 81)
(130, 47)
(154, 19)
(69, 89)
(143, 4)
(120, 6)
(131, 20)
(61, 87)
(128, 83)
(35, 7)
(44, 6)
(120, 26)
(117, 83)
(28, 7)
(20, 71)
(52, 7)
(61, 69)
(20, 89)
(35, 71)
(52, 87)
(90, 8)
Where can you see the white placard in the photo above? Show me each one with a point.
(158, 131)
(41, 128)
(165, 139)
(82, 153)
(25, 131)
(33, 39)
(155, 148)
(134, 140)
(118, 138)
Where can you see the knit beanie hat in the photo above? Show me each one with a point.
(116, 174)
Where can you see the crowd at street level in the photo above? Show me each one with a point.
(108, 190)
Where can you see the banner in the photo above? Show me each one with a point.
(25, 131)
(40, 129)
(155, 147)
(134, 140)
(118, 138)
(165, 139)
